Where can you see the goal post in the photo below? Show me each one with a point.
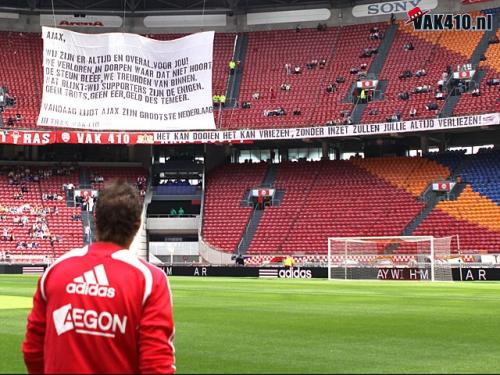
(390, 258)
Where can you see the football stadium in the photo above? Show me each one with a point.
(319, 179)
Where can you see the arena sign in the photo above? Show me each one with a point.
(119, 81)
(40, 138)
(386, 8)
(66, 20)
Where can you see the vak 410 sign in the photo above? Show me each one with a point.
(121, 81)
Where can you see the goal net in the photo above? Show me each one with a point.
(390, 258)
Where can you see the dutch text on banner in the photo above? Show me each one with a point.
(40, 138)
(121, 81)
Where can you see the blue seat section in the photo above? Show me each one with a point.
(450, 159)
(177, 190)
(482, 171)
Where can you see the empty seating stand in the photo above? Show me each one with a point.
(433, 52)
(322, 199)
(475, 215)
(224, 220)
(267, 54)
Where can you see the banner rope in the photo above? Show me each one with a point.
(54, 13)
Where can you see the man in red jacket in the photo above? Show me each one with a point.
(100, 309)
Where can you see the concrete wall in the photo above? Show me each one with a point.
(183, 225)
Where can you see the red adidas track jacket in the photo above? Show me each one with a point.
(100, 309)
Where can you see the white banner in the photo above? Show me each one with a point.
(120, 81)
(39, 138)
(334, 131)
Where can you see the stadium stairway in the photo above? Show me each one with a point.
(455, 162)
(457, 190)
(270, 175)
(385, 46)
(432, 200)
(410, 228)
(88, 219)
(452, 100)
(483, 44)
(250, 230)
(253, 222)
(376, 67)
(36, 83)
(139, 245)
(459, 168)
(85, 179)
(234, 81)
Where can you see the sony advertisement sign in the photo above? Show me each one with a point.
(388, 7)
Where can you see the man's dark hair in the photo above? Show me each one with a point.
(118, 213)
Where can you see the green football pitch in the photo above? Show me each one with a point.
(228, 325)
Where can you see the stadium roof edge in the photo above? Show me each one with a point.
(143, 7)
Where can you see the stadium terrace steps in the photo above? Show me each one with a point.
(61, 224)
(449, 105)
(371, 197)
